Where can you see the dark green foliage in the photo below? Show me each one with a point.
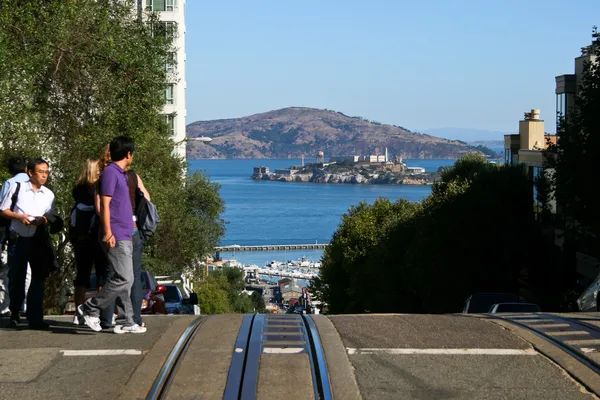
(577, 154)
(222, 292)
(75, 74)
(474, 233)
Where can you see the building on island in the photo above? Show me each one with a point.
(172, 15)
(261, 170)
(355, 159)
(415, 170)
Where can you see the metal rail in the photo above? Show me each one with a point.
(567, 348)
(259, 332)
(167, 372)
(319, 364)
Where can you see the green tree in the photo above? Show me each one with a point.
(258, 302)
(349, 268)
(213, 296)
(473, 233)
(76, 73)
(577, 153)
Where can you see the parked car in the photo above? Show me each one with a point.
(153, 301)
(589, 299)
(480, 303)
(514, 308)
(174, 300)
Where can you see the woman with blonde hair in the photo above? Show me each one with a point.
(83, 232)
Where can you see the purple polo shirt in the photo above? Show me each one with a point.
(113, 183)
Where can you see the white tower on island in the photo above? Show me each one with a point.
(386, 155)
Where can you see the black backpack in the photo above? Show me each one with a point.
(83, 224)
(146, 214)
(5, 222)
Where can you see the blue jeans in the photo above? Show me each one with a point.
(118, 286)
(136, 288)
(20, 252)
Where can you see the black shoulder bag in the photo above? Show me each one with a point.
(5, 222)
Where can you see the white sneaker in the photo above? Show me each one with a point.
(114, 320)
(76, 319)
(92, 322)
(135, 328)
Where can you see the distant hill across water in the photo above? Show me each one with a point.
(296, 131)
(468, 135)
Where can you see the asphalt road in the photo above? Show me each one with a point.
(368, 356)
(381, 374)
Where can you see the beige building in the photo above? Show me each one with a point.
(528, 148)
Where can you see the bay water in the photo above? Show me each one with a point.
(265, 212)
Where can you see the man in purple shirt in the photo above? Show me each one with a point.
(117, 223)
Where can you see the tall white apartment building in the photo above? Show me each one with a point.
(172, 13)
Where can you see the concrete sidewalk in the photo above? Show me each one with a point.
(70, 361)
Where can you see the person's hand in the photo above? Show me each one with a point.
(24, 219)
(39, 221)
(109, 239)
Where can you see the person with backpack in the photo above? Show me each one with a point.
(17, 166)
(84, 232)
(116, 218)
(137, 190)
(30, 206)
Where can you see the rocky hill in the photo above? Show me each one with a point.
(295, 131)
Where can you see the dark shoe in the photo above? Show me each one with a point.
(39, 326)
(14, 323)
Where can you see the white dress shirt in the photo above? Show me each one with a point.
(29, 202)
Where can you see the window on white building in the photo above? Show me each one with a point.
(170, 120)
(160, 5)
(170, 94)
(171, 61)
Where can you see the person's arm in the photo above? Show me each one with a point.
(108, 184)
(5, 208)
(5, 187)
(97, 205)
(143, 188)
(108, 238)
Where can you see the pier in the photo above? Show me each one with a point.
(273, 247)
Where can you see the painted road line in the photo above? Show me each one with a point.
(491, 352)
(282, 350)
(116, 352)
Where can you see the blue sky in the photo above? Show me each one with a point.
(419, 64)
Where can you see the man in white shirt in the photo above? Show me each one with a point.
(33, 205)
(18, 169)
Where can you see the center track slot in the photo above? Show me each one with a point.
(275, 334)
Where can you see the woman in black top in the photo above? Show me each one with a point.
(83, 233)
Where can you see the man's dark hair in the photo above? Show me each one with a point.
(120, 146)
(34, 163)
(16, 165)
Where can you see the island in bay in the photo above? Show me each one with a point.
(355, 169)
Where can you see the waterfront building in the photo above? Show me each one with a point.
(528, 148)
(567, 85)
(172, 14)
